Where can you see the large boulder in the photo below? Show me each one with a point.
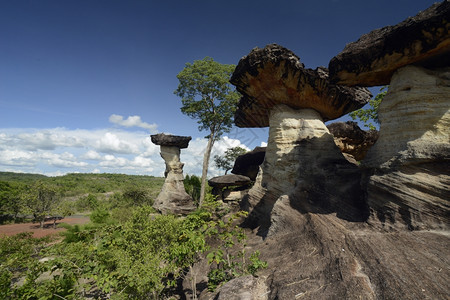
(248, 164)
(372, 60)
(351, 139)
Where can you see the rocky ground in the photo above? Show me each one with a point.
(329, 258)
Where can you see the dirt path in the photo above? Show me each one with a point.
(12, 229)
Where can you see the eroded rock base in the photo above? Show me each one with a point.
(408, 168)
(303, 171)
(173, 197)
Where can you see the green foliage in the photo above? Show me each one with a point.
(192, 186)
(207, 95)
(137, 196)
(226, 162)
(230, 264)
(139, 257)
(74, 193)
(12, 199)
(17, 259)
(370, 114)
(42, 198)
(100, 216)
(87, 203)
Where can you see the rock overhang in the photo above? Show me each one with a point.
(169, 140)
(423, 40)
(274, 75)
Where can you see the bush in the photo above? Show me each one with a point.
(192, 186)
(100, 216)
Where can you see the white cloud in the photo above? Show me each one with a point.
(91, 155)
(111, 143)
(263, 144)
(132, 121)
(58, 151)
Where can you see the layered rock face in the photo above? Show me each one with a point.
(173, 197)
(407, 170)
(351, 139)
(410, 163)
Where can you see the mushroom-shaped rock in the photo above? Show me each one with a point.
(169, 140)
(407, 171)
(274, 75)
(302, 161)
(351, 139)
(372, 60)
(173, 197)
(228, 180)
(235, 186)
(248, 164)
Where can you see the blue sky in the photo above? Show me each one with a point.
(84, 82)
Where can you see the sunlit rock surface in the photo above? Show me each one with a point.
(410, 179)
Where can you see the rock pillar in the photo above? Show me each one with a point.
(408, 179)
(173, 197)
(303, 169)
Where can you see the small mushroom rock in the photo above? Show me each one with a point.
(302, 165)
(351, 139)
(168, 140)
(239, 184)
(228, 180)
(173, 197)
(372, 60)
(248, 164)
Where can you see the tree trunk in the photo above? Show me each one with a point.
(205, 168)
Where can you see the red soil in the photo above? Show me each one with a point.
(12, 229)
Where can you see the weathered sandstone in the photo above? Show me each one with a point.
(274, 75)
(372, 60)
(302, 162)
(173, 197)
(409, 166)
(351, 139)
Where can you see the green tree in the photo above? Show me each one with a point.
(11, 198)
(42, 199)
(226, 162)
(207, 95)
(367, 115)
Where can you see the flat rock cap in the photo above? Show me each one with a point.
(274, 75)
(162, 139)
(229, 180)
(422, 40)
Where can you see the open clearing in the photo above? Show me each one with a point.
(12, 229)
